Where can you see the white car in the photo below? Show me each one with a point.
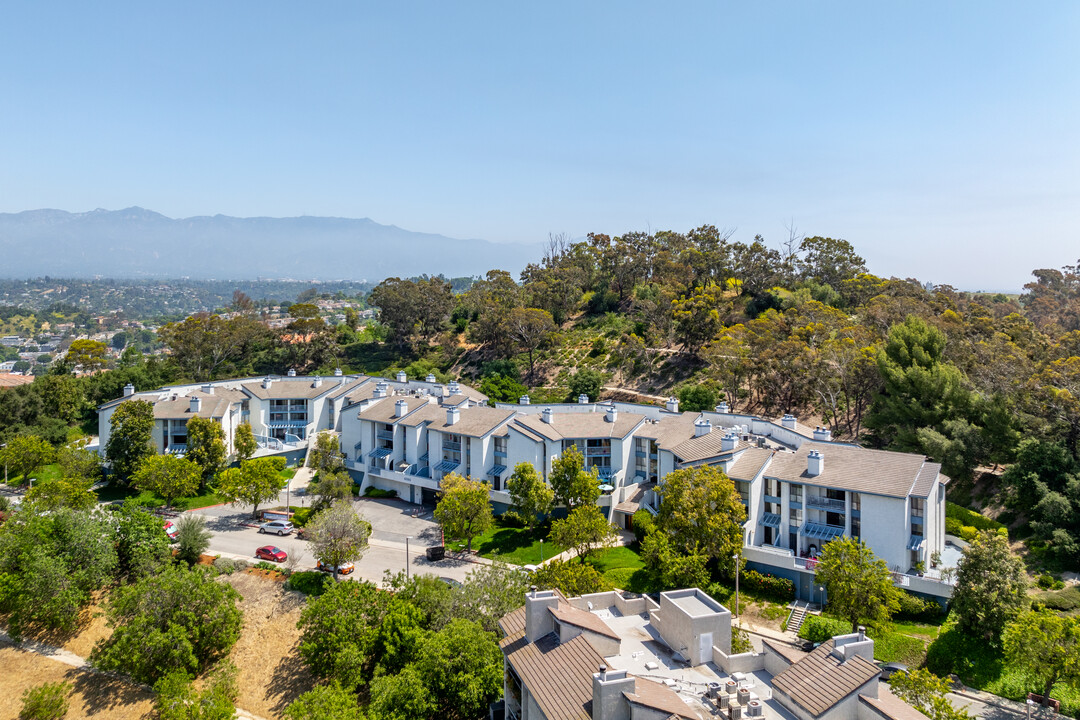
(278, 527)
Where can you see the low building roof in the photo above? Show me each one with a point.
(564, 612)
(880, 472)
(13, 380)
(558, 675)
(474, 422)
(705, 447)
(653, 695)
(632, 503)
(820, 680)
(289, 388)
(572, 425)
(889, 707)
(430, 413)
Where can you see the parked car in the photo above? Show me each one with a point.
(889, 669)
(269, 552)
(344, 569)
(278, 527)
(451, 582)
(170, 529)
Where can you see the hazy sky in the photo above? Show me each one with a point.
(942, 139)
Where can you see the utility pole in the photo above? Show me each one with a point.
(406, 557)
(736, 559)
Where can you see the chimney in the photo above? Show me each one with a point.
(862, 633)
(401, 376)
(430, 378)
(401, 407)
(317, 382)
(196, 404)
(453, 387)
(129, 390)
(523, 400)
(822, 434)
(702, 426)
(612, 414)
(815, 463)
(292, 372)
(380, 389)
(267, 382)
(722, 407)
(337, 372)
(788, 421)
(583, 399)
(847, 646)
(453, 414)
(673, 404)
(208, 389)
(727, 443)
(547, 415)
(538, 620)
(608, 687)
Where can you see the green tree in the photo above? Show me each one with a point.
(47, 701)
(586, 382)
(338, 535)
(72, 492)
(332, 487)
(673, 569)
(529, 494)
(253, 483)
(90, 354)
(404, 696)
(177, 619)
(699, 316)
(571, 485)
(25, 454)
(129, 438)
(927, 693)
(695, 398)
(921, 389)
(584, 529)
(169, 476)
(1045, 646)
(338, 632)
(857, 582)
(573, 579)
(142, 548)
(464, 510)
(701, 513)
(78, 462)
(532, 329)
(400, 635)
(326, 455)
(192, 538)
(991, 587)
(206, 447)
(490, 592)
(829, 261)
(463, 669)
(325, 702)
(204, 346)
(177, 699)
(244, 442)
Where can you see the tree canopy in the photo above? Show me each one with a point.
(858, 584)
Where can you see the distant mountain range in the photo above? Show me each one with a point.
(138, 243)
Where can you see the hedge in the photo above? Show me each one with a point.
(777, 588)
(969, 518)
(374, 492)
(917, 609)
(816, 628)
(643, 524)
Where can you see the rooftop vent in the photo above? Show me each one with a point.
(453, 387)
(208, 389)
(337, 372)
(317, 382)
(401, 376)
(612, 414)
(822, 434)
(722, 407)
(727, 443)
(380, 389)
(267, 382)
(788, 421)
(815, 463)
(548, 415)
(583, 399)
(523, 400)
(453, 414)
(129, 390)
(702, 426)
(430, 378)
(673, 404)
(292, 372)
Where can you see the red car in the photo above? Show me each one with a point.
(269, 552)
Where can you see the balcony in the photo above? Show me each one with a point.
(451, 446)
(385, 434)
(823, 503)
(597, 452)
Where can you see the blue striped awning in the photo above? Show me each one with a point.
(915, 542)
(446, 466)
(424, 457)
(497, 470)
(279, 425)
(605, 472)
(380, 452)
(821, 532)
(770, 520)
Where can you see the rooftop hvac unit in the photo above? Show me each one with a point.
(714, 688)
(735, 712)
(744, 696)
(753, 708)
(725, 701)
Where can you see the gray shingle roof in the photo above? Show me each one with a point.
(559, 675)
(821, 680)
(474, 421)
(288, 388)
(879, 472)
(571, 425)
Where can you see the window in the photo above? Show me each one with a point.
(834, 494)
(856, 528)
(918, 507)
(743, 488)
(772, 487)
(795, 494)
(795, 518)
(855, 502)
(645, 464)
(500, 447)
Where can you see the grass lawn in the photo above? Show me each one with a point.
(518, 546)
(42, 474)
(287, 474)
(149, 499)
(623, 568)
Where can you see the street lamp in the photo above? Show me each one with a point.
(736, 559)
(821, 595)
(407, 537)
(541, 551)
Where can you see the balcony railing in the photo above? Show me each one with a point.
(385, 434)
(451, 445)
(825, 503)
(598, 452)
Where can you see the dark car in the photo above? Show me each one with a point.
(269, 552)
(888, 669)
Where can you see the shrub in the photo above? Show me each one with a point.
(264, 565)
(816, 628)
(192, 538)
(45, 702)
(572, 578)
(1063, 601)
(301, 517)
(374, 492)
(643, 524)
(969, 518)
(721, 593)
(309, 582)
(279, 463)
(1045, 581)
(914, 608)
(777, 588)
(225, 566)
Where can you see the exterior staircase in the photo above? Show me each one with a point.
(798, 614)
